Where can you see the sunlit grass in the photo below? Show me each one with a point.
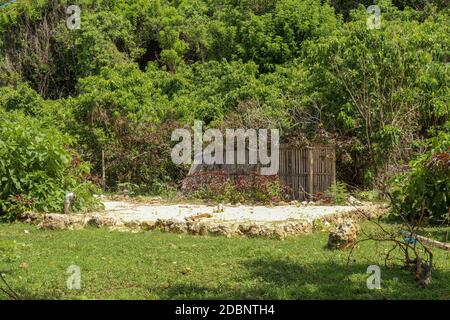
(154, 265)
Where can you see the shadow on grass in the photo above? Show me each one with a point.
(275, 278)
(25, 295)
(283, 279)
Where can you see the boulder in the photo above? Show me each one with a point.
(344, 235)
(353, 201)
(133, 224)
(197, 228)
(171, 225)
(250, 230)
(148, 225)
(101, 221)
(221, 230)
(30, 217)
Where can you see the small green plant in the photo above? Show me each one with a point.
(127, 189)
(338, 192)
(271, 191)
(159, 188)
(228, 194)
(369, 195)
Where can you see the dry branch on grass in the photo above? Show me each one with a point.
(414, 248)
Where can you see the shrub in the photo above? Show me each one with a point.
(156, 188)
(222, 187)
(423, 192)
(37, 169)
(369, 195)
(338, 193)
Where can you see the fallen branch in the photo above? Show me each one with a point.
(428, 241)
(422, 268)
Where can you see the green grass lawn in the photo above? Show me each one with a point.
(154, 265)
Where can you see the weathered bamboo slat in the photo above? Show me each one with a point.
(307, 171)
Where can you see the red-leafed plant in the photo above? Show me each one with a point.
(223, 186)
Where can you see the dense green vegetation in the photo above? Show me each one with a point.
(423, 192)
(136, 70)
(37, 169)
(155, 265)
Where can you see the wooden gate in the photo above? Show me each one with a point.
(307, 171)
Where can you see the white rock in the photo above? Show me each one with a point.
(353, 201)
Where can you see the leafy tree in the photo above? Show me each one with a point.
(120, 113)
(137, 69)
(380, 88)
(276, 37)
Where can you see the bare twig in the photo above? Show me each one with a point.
(10, 292)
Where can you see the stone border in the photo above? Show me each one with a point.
(206, 226)
(236, 229)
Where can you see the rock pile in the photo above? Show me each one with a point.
(233, 229)
(274, 230)
(55, 222)
(344, 235)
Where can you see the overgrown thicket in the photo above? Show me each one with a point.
(137, 69)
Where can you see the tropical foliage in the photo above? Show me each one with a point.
(313, 69)
(424, 192)
(37, 169)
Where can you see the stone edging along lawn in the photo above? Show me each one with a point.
(200, 225)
